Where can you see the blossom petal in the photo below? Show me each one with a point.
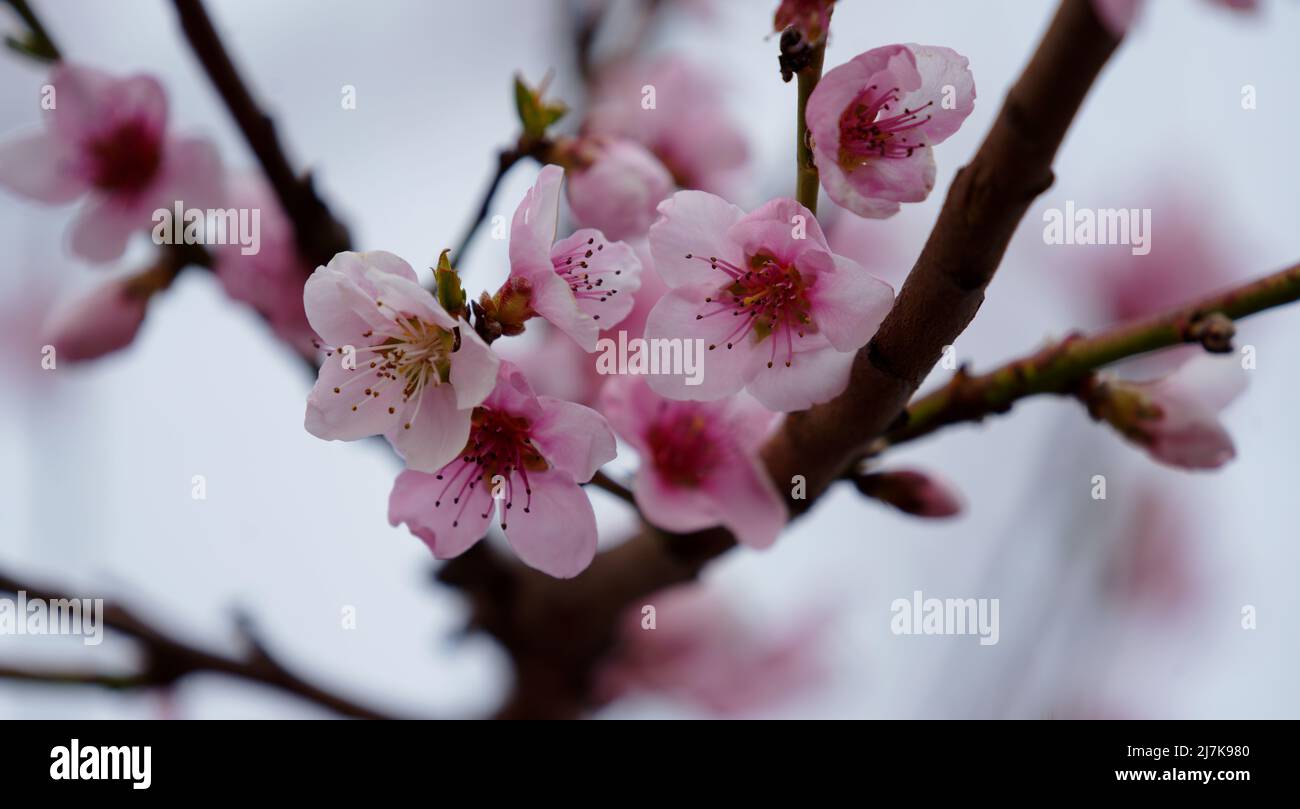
(351, 413)
(813, 377)
(557, 534)
(722, 369)
(443, 510)
(42, 168)
(438, 429)
(748, 503)
(693, 223)
(941, 68)
(848, 303)
(532, 230)
(573, 438)
(473, 369)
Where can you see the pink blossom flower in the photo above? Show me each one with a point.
(921, 494)
(99, 322)
(582, 283)
(874, 119)
(105, 139)
(413, 374)
(1119, 15)
(615, 184)
(1175, 418)
(687, 128)
(270, 280)
(775, 310)
(700, 651)
(524, 459)
(699, 461)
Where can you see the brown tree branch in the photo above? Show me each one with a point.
(168, 660)
(319, 234)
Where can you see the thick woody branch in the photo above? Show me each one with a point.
(319, 234)
(1061, 367)
(945, 289)
(167, 660)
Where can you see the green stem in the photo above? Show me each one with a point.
(806, 179)
(1062, 366)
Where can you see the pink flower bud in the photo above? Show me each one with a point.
(97, 323)
(617, 187)
(913, 492)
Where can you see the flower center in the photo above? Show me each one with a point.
(681, 449)
(768, 298)
(586, 283)
(501, 452)
(416, 356)
(867, 130)
(126, 158)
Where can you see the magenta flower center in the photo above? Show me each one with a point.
(768, 299)
(499, 454)
(126, 158)
(585, 283)
(681, 447)
(869, 130)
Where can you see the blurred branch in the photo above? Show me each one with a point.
(506, 159)
(37, 44)
(319, 234)
(602, 481)
(168, 660)
(1061, 367)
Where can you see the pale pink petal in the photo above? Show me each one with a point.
(677, 316)
(557, 533)
(847, 195)
(400, 295)
(813, 377)
(792, 215)
(553, 299)
(941, 68)
(747, 502)
(670, 507)
(443, 510)
(353, 411)
(848, 303)
(473, 369)
(192, 173)
(693, 223)
(533, 228)
(900, 179)
(42, 168)
(612, 275)
(102, 229)
(438, 429)
(573, 438)
(338, 309)
(630, 407)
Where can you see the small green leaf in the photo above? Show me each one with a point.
(450, 292)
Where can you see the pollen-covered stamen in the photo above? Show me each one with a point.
(578, 268)
(125, 158)
(867, 130)
(682, 447)
(500, 449)
(767, 297)
(414, 355)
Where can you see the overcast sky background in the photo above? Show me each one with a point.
(97, 461)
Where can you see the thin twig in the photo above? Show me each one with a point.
(167, 659)
(1060, 367)
(44, 44)
(506, 159)
(602, 481)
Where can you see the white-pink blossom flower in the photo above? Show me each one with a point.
(98, 322)
(777, 313)
(105, 139)
(397, 363)
(524, 459)
(582, 283)
(699, 461)
(875, 119)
